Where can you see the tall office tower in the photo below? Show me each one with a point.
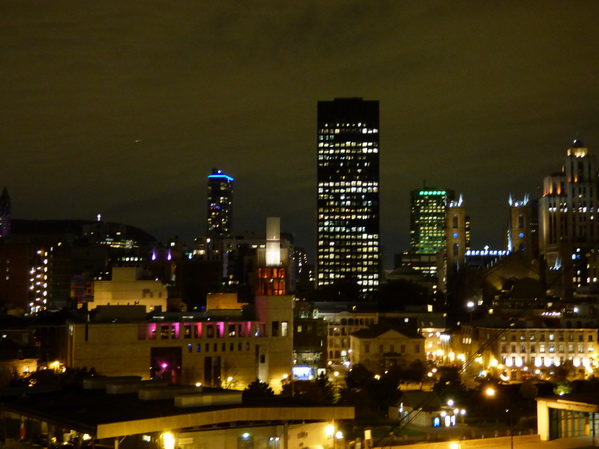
(569, 219)
(348, 193)
(220, 204)
(4, 214)
(457, 234)
(522, 233)
(427, 219)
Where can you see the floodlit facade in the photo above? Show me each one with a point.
(348, 193)
(220, 204)
(517, 352)
(381, 347)
(128, 288)
(569, 221)
(224, 350)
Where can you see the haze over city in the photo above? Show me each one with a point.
(123, 109)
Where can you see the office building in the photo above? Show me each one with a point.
(348, 193)
(568, 220)
(427, 219)
(220, 204)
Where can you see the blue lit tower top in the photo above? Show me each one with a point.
(220, 204)
(348, 193)
(5, 214)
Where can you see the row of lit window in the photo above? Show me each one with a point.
(551, 348)
(323, 186)
(550, 337)
(348, 143)
(340, 274)
(334, 208)
(371, 239)
(357, 249)
(345, 128)
(328, 127)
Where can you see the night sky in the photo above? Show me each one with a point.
(123, 108)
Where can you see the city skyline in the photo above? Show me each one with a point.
(123, 109)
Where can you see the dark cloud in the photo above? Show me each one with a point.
(124, 107)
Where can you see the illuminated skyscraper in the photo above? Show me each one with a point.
(220, 204)
(569, 219)
(427, 219)
(348, 193)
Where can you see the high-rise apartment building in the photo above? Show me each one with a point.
(569, 218)
(220, 204)
(348, 193)
(427, 219)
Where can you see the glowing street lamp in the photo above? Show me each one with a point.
(490, 392)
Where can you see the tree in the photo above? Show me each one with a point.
(258, 389)
(563, 387)
(228, 375)
(358, 377)
(320, 390)
(450, 384)
(528, 390)
(416, 372)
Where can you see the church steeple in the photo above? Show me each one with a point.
(4, 214)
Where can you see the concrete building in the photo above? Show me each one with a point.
(214, 350)
(568, 416)
(127, 288)
(348, 193)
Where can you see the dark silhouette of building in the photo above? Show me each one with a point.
(348, 193)
(4, 214)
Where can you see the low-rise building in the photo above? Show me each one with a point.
(531, 347)
(384, 346)
(210, 349)
(128, 414)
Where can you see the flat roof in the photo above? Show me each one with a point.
(106, 415)
(586, 402)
